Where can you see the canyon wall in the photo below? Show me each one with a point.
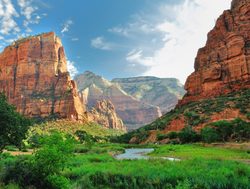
(223, 65)
(34, 77)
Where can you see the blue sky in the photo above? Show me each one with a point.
(118, 38)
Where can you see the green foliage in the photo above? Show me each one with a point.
(237, 130)
(209, 135)
(194, 173)
(161, 136)
(224, 128)
(241, 130)
(196, 112)
(190, 151)
(248, 115)
(13, 125)
(43, 170)
(188, 135)
(193, 118)
(54, 154)
(172, 135)
(85, 138)
(58, 182)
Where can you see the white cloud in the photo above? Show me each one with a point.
(8, 14)
(66, 26)
(72, 68)
(184, 32)
(28, 11)
(139, 25)
(26, 8)
(136, 56)
(101, 43)
(25, 11)
(119, 30)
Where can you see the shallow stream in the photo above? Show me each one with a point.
(140, 153)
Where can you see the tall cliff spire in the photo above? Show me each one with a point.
(223, 65)
(238, 3)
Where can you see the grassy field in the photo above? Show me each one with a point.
(200, 168)
(190, 151)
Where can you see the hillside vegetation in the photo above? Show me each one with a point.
(196, 114)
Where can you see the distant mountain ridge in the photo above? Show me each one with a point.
(134, 98)
(161, 92)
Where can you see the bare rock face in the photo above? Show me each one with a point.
(104, 113)
(35, 79)
(223, 65)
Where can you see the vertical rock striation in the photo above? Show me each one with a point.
(35, 79)
(223, 65)
(104, 113)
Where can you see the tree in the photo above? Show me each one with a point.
(241, 129)
(188, 135)
(43, 170)
(209, 135)
(13, 126)
(55, 152)
(224, 129)
(85, 138)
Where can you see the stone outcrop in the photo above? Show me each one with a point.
(132, 111)
(104, 114)
(35, 79)
(223, 65)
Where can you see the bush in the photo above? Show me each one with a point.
(43, 170)
(237, 130)
(57, 182)
(188, 135)
(161, 136)
(13, 125)
(209, 135)
(172, 135)
(224, 129)
(248, 115)
(241, 130)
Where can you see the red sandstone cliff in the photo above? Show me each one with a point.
(223, 65)
(35, 79)
(219, 88)
(104, 113)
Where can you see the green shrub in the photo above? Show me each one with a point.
(241, 130)
(35, 140)
(248, 115)
(43, 170)
(11, 148)
(224, 129)
(57, 182)
(172, 135)
(209, 135)
(188, 135)
(161, 136)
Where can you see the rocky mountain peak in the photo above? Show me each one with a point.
(35, 78)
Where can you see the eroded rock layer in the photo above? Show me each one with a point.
(104, 114)
(35, 79)
(223, 65)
